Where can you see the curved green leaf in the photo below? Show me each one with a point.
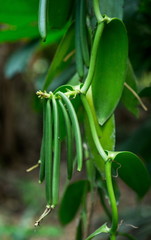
(72, 200)
(110, 68)
(59, 12)
(132, 171)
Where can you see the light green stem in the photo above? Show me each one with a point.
(109, 183)
(108, 164)
(97, 10)
(93, 128)
(112, 237)
(95, 45)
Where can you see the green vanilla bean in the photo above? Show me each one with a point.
(78, 53)
(48, 154)
(42, 19)
(95, 45)
(56, 155)
(83, 33)
(69, 140)
(42, 162)
(42, 150)
(76, 128)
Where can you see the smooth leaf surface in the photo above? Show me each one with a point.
(72, 200)
(112, 8)
(132, 171)
(59, 12)
(102, 229)
(128, 98)
(18, 21)
(110, 69)
(59, 62)
(21, 22)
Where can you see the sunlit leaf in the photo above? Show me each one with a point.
(110, 69)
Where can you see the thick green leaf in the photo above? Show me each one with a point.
(59, 63)
(21, 21)
(128, 99)
(18, 21)
(102, 229)
(20, 13)
(59, 12)
(106, 135)
(132, 171)
(112, 8)
(72, 200)
(110, 69)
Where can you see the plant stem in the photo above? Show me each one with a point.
(97, 10)
(93, 128)
(95, 45)
(112, 237)
(109, 183)
(108, 164)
